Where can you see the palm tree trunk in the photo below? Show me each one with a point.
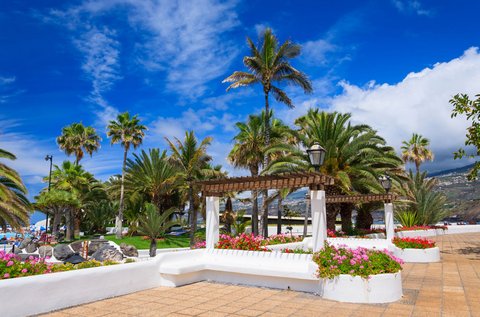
(417, 166)
(153, 247)
(346, 214)
(255, 212)
(56, 221)
(265, 164)
(193, 215)
(279, 214)
(119, 220)
(68, 224)
(265, 214)
(332, 211)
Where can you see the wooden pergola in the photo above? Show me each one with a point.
(217, 187)
(315, 181)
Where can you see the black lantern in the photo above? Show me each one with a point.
(386, 182)
(316, 154)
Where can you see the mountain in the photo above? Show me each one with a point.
(458, 170)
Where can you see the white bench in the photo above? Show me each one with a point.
(265, 269)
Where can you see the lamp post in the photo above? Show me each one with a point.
(316, 155)
(48, 158)
(386, 182)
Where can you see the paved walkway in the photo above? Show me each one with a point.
(448, 288)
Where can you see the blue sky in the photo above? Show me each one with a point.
(392, 64)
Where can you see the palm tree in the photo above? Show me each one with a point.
(128, 132)
(422, 201)
(267, 65)
(152, 176)
(416, 150)
(58, 203)
(249, 152)
(14, 205)
(74, 179)
(77, 138)
(355, 157)
(193, 163)
(154, 224)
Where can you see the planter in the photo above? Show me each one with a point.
(418, 255)
(381, 288)
(417, 233)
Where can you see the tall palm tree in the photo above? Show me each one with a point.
(154, 224)
(355, 157)
(77, 139)
(416, 150)
(128, 132)
(269, 64)
(14, 206)
(192, 161)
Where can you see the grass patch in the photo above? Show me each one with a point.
(138, 241)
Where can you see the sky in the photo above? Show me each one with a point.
(392, 64)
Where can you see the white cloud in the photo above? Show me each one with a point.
(315, 52)
(419, 103)
(411, 6)
(7, 91)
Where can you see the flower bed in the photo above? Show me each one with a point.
(11, 266)
(412, 228)
(413, 243)
(298, 251)
(281, 239)
(361, 262)
(249, 242)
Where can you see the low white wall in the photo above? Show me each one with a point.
(418, 255)
(455, 229)
(33, 295)
(146, 253)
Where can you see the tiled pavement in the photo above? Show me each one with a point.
(448, 288)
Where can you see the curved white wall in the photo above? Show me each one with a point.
(24, 296)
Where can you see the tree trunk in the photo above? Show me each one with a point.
(57, 217)
(279, 214)
(255, 212)
(265, 214)
(119, 219)
(332, 211)
(193, 214)
(307, 212)
(346, 214)
(68, 224)
(267, 126)
(417, 166)
(153, 248)
(364, 218)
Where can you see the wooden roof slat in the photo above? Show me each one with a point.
(337, 199)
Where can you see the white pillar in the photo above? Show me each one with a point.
(213, 221)
(319, 218)
(389, 226)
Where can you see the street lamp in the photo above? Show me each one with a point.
(48, 158)
(386, 182)
(316, 154)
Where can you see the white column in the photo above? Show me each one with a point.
(319, 218)
(389, 226)
(213, 221)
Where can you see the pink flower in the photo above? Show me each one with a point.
(10, 263)
(6, 275)
(24, 270)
